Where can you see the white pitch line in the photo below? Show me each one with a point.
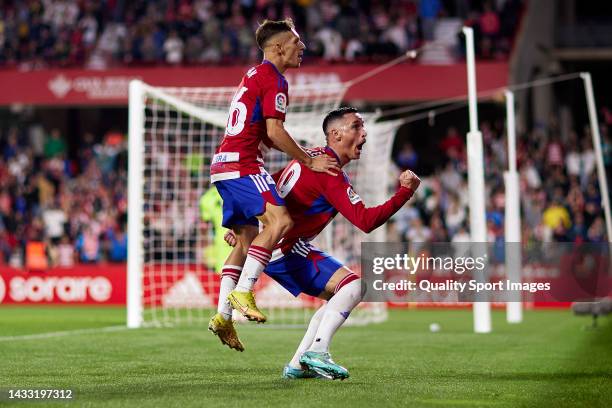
(62, 333)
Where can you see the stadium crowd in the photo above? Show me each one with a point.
(57, 210)
(37, 34)
(560, 197)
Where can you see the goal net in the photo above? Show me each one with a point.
(173, 134)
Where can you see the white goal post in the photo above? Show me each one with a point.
(173, 133)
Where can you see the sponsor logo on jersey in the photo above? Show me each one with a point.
(352, 195)
(226, 157)
(281, 102)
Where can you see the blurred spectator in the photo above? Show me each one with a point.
(455, 215)
(452, 145)
(11, 147)
(54, 145)
(461, 236)
(331, 42)
(8, 242)
(36, 256)
(556, 215)
(403, 219)
(587, 160)
(397, 34)
(428, 12)
(418, 233)
(88, 244)
(578, 232)
(65, 253)
(596, 232)
(407, 157)
(54, 219)
(573, 161)
(530, 174)
(118, 245)
(173, 47)
(554, 152)
(489, 28)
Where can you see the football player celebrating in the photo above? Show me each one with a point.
(256, 116)
(313, 200)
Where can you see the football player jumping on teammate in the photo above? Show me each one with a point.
(313, 200)
(256, 116)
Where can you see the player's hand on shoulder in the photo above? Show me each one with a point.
(324, 164)
(409, 180)
(230, 238)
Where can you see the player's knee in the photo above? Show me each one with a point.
(358, 295)
(351, 284)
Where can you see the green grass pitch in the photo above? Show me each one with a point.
(549, 360)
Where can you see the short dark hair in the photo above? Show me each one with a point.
(270, 28)
(336, 114)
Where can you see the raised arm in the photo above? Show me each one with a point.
(341, 195)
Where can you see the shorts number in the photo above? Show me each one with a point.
(288, 179)
(237, 114)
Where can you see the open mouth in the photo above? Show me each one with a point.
(360, 145)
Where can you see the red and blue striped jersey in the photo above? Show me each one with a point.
(313, 200)
(262, 94)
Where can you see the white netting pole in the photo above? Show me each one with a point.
(135, 205)
(512, 223)
(601, 172)
(478, 226)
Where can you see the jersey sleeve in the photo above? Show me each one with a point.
(340, 194)
(275, 98)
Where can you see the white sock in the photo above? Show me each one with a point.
(336, 312)
(229, 277)
(257, 259)
(308, 337)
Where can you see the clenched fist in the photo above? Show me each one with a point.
(230, 238)
(409, 180)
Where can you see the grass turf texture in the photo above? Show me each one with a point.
(549, 360)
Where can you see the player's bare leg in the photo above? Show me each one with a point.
(221, 323)
(277, 222)
(344, 293)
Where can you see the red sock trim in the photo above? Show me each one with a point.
(232, 272)
(345, 281)
(261, 250)
(261, 254)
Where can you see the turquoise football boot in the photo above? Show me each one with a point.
(322, 363)
(291, 373)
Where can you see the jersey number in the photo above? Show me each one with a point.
(237, 114)
(288, 179)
